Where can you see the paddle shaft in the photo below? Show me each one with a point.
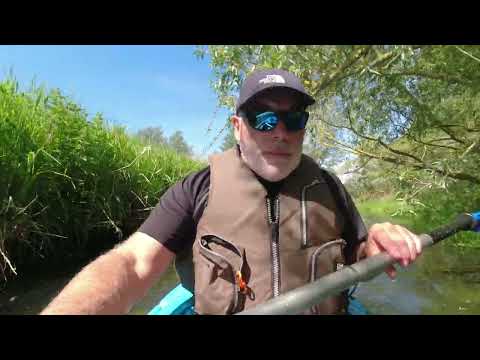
(297, 300)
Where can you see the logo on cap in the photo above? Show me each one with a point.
(272, 79)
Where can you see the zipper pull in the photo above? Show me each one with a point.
(273, 210)
(276, 209)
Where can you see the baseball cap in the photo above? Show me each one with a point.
(261, 80)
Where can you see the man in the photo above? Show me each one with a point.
(262, 219)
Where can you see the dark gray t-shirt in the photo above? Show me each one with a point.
(173, 222)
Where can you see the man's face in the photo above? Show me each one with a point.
(272, 155)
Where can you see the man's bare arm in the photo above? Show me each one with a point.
(115, 281)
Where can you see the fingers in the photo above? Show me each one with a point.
(388, 239)
(410, 242)
(418, 243)
(391, 272)
(396, 240)
(413, 241)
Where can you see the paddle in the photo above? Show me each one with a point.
(297, 300)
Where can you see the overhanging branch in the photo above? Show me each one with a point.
(404, 162)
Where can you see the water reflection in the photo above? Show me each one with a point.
(444, 280)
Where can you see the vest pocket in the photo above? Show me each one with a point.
(323, 260)
(218, 276)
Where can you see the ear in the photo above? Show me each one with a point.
(236, 123)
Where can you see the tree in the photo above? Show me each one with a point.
(414, 107)
(178, 143)
(152, 135)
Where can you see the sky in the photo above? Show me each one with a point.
(133, 86)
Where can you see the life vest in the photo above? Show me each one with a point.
(250, 248)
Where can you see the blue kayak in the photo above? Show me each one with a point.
(180, 301)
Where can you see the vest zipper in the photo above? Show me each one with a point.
(304, 212)
(273, 215)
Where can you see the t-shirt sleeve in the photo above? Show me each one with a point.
(171, 222)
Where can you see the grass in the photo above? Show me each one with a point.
(71, 185)
(385, 210)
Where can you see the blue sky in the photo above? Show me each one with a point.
(134, 86)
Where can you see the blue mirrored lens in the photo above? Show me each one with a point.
(266, 121)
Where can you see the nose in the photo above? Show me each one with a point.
(280, 131)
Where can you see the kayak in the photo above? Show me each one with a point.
(180, 301)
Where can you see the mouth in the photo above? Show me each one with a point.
(277, 154)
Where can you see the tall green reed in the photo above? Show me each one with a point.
(71, 185)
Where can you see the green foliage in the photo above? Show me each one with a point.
(71, 184)
(152, 135)
(414, 110)
(178, 143)
(385, 210)
(424, 95)
(431, 209)
(439, 206)
(370, 180)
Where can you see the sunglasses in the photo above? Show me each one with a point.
(266, 120)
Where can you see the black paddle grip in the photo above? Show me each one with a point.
(463, 222)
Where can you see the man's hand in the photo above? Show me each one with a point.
(397, 241)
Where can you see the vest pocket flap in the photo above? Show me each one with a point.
(222, 252)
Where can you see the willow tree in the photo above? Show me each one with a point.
(414, 108)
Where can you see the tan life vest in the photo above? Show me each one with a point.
(250, 248)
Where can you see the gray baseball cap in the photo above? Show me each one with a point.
(261, 80)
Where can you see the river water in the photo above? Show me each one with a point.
(444, 280)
